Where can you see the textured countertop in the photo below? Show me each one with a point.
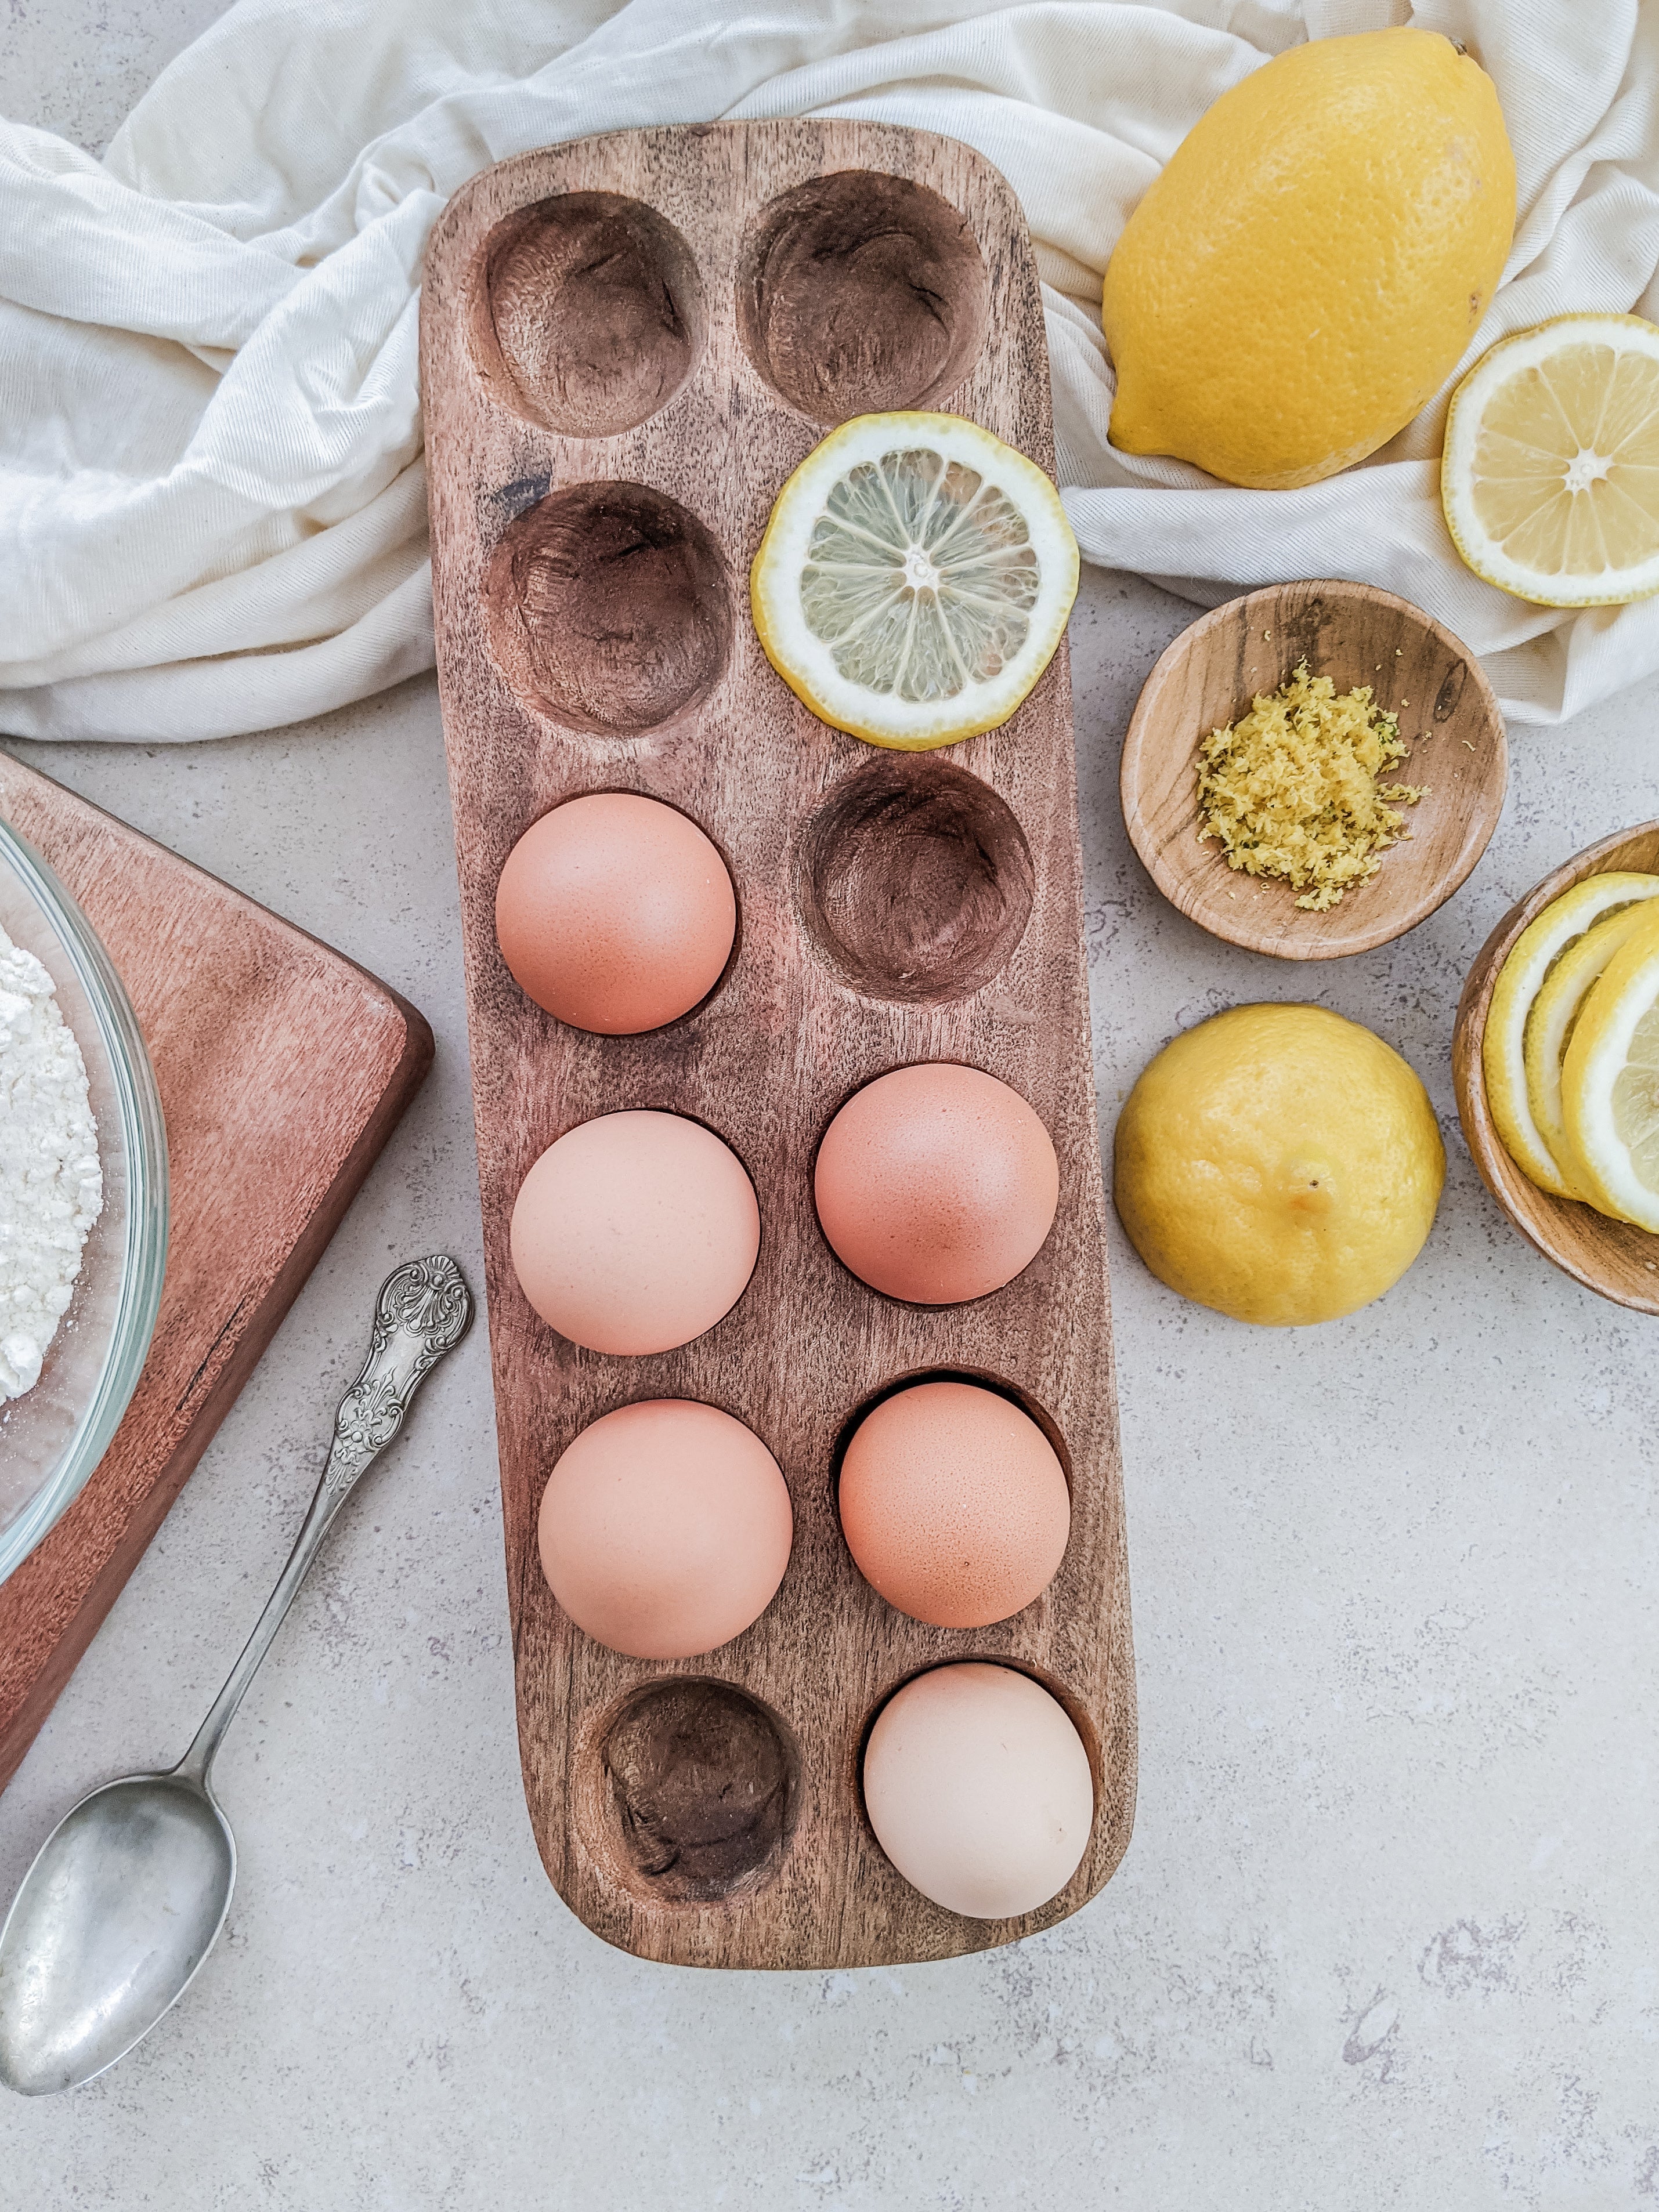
(1384, 1933)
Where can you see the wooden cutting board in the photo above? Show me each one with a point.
(283, 1068)
(628, 344)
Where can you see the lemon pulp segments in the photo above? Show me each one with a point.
(920, 576)
(914, 579)
(1502, 1047)
(1610, 1082)
(1550, 477)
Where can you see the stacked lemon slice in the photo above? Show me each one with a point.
(1571, 1048)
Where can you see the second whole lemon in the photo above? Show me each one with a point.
(1313, 261)
(1279, 1163)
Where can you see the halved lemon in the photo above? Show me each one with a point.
(1504, 1057)
(1554, 1016)
(1550, 475)
(1610, 1084)
(914, 580)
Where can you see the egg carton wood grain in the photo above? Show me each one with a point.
(634, 339)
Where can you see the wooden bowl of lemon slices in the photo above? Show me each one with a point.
(1556, 1063)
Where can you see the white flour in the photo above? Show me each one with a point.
(51, 1188)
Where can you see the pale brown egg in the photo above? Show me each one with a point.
(635, 1232)
(954, 1504)
(980, 1790)
(615, 913)
(665, 1528)
(937, 1183)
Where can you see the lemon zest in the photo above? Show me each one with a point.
(1292, 788)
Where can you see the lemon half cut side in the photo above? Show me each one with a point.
(1550, 475)
(914, 580)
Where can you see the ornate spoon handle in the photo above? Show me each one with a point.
(422, 1312)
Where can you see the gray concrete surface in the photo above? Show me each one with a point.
(1385, 1934)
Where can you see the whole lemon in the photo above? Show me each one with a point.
(1313, 261)
(1279, 1163)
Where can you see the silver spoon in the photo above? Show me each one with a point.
(128, 1894)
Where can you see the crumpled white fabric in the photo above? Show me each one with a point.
(212, 501)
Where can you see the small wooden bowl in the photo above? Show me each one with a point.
(1355, 634)
(1609, 1257)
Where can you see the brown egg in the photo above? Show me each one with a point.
(615, 913)
(979, 1790)
(953, 1504)
(937, 1183)
(635, 1232)
(665, 1528)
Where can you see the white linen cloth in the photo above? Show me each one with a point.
(212, 503)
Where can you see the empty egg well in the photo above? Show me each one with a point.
(608, 608)
(858, 292)
(914, 880)
(590, 315)
(691, 1791)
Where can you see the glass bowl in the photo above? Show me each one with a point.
(54, 1435)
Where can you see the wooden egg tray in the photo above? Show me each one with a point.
(628, 343)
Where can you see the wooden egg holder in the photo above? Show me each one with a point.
(628, 344)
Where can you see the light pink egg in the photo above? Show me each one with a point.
(937, 1183)
(635, 1232)
(665, 1528)
(615, 913)
(980, 1790)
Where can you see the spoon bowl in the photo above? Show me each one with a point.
(124, 1899)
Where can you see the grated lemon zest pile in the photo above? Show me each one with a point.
(1292, 789)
